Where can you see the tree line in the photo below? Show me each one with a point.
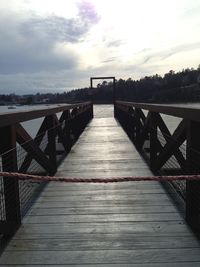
(182, 86)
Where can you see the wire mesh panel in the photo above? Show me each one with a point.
(28, 191)
(172, 166)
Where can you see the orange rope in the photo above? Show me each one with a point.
(22, 176)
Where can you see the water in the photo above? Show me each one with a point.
(31, 126)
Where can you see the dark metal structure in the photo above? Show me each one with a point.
(105, 78)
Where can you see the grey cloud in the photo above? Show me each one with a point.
(143, 51)
(180, 48)
(59, 28)
(30, 52)
(27, 45)
(170, 52)
(146, 59)
(111, 59)
(31, 61)
(24, 83)
(115, 43)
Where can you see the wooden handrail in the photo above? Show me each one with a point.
(19, 151)
(151, 136)
(21, 116)
(181, 112)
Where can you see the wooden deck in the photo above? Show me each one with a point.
(120, 224)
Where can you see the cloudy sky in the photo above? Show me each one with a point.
(56, 45)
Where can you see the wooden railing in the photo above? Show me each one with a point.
(41, 154)
(167, 152)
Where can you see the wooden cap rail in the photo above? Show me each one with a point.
(181, 112)
(21, 116)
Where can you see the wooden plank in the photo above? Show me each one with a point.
(111, 197)
(102, 256)
(135, 209)
(176, 264)
(72, 204)
(110, 165)
(127, 191)
(95, 242)
(144, 228)
(101, 186)
(79, 218)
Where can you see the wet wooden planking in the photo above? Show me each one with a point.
(121, 224)
(118, 209)
(181, 264)
(96, 242)
(103, 256)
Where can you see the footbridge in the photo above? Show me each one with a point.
(133, 223)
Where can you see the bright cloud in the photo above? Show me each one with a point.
(57, 44)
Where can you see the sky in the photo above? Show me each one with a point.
(57, 45)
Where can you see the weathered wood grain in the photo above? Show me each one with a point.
(102, 225)
(95, 242)
(102, 256)
(141, 228)
(179, 264)
(102, 203)
(135, 209)
(103, 218)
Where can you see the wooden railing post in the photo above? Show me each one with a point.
(115, 110)
(11, 185)
(193, 165)
(91, 111)
(153, 141)
(67, 129)
(137, 128)
(52, 143)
